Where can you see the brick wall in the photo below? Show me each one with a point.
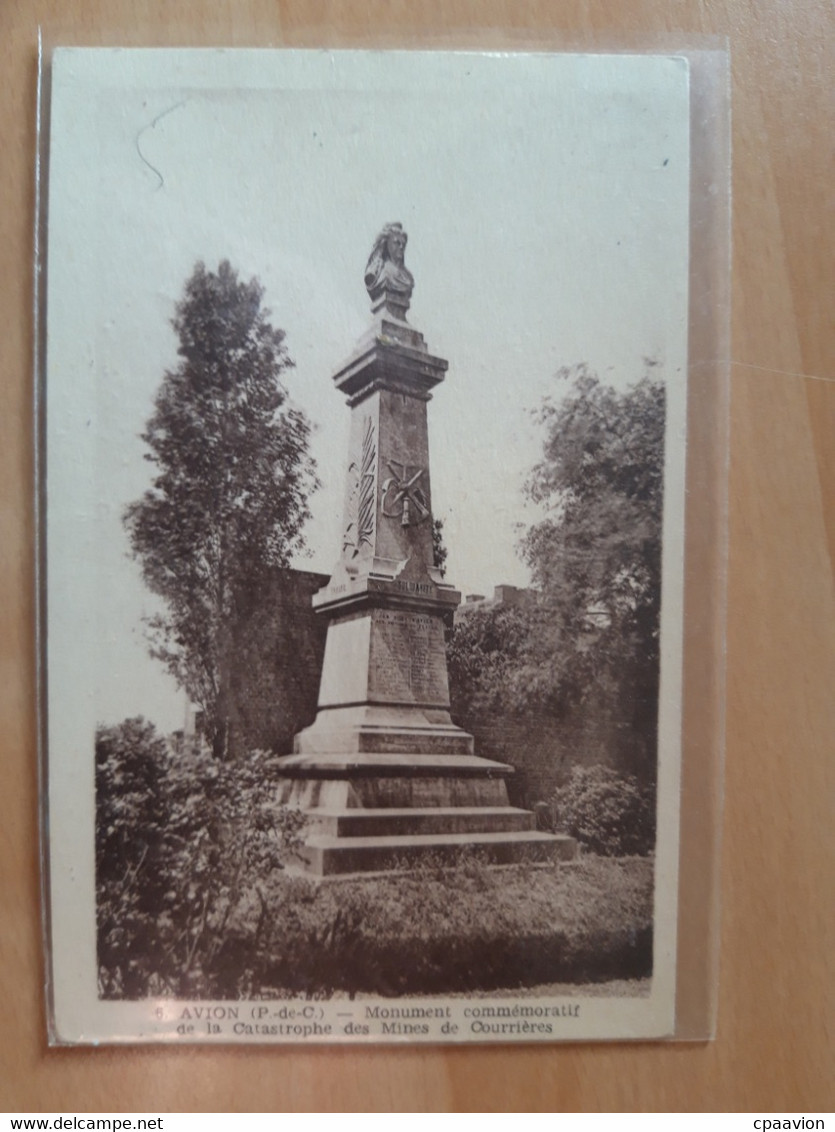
(278, 662)
(542, 750)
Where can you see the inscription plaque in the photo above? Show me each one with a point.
(407, 658)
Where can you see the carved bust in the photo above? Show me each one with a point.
(387, 279)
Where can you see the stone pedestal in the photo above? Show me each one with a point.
(384, 774)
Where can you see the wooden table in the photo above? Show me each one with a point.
(771, 1052)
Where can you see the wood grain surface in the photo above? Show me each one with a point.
(773, 1051)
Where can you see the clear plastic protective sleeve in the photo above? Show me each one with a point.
(523, 174)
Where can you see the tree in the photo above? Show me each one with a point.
(489, 658)
(581, 651)
(595, 556)
(229, 499)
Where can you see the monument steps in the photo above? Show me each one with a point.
(351, 782)
(327, 855)
(426, 820)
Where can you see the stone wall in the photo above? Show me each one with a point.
(278, 662)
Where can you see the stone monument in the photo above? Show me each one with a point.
(383, 773)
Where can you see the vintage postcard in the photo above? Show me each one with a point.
(365, 393)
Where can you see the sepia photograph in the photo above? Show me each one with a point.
(365, 392)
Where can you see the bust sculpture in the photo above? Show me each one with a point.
(387, 279)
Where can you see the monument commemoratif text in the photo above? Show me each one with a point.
(383, 772)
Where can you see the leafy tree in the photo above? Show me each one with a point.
(489, 661)
(229, 499)
(598, 550)
(595, 556)
(583, 648)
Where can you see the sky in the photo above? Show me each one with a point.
(546, 202)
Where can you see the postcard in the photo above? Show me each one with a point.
(365, 391)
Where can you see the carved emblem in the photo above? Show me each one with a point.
(360, 529)
(403, 497)
(365, 503)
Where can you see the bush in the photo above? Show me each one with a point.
(467, 929)
(608, 813)
(183, 843)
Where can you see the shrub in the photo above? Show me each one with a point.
(182, 845)
(608, 813)
(465, 929)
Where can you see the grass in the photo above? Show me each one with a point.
(436, 930)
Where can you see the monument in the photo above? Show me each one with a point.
(383, 773)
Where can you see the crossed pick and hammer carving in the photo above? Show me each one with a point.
(403, 497)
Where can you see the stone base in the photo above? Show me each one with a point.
(373, 812)
(338, 856)
(383, 729)
(415, 821)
